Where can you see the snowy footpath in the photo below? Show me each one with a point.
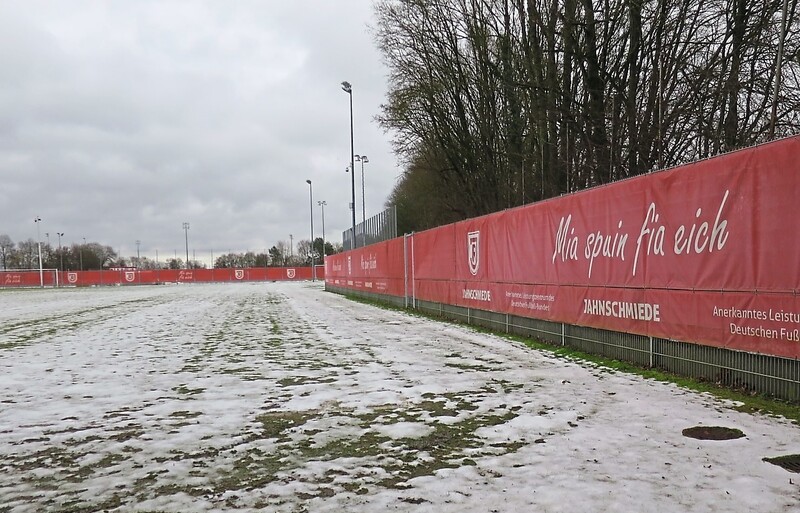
(282, 397)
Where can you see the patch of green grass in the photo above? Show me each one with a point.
(183, 389)
(184, 414)
(273, 424)
(469, 367)
(303, 380)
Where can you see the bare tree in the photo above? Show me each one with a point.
(6, 248)
(508, 101)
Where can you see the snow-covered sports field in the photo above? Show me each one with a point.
(282, 397)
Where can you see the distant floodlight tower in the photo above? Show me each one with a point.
(311, 211)
(186, 233)
(363, 159)
(322, 205)
(60, 253)
(39, 244)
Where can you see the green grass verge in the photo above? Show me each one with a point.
(743, 401)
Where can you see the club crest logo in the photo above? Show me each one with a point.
(72, 277)
(130, 276)
(290, 273)
(473, 251)
(239, 274)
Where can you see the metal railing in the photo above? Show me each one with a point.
(378, 228)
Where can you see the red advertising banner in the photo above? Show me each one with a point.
(134, 276)
(377, 268)
(706, 253)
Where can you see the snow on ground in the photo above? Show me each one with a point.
(281, 397)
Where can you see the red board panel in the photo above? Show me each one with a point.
(706, 253)
(150, 277)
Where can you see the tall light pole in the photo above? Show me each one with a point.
(137, 252)
(311, 211)
(186, 233)
(39, 243)
(363, 159)
(348, 88)
(322, 205)
(60, 253)
(81, 252)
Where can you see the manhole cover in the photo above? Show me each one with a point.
(712, 433)
(790, 462)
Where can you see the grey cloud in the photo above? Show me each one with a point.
(124, 119)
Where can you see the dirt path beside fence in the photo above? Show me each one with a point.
(281, 397)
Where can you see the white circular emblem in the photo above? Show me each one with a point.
(290, 273)
(239, 274)
(72, 277)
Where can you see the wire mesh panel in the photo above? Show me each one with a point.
(546, 331)
(779, 377)
(612, 344)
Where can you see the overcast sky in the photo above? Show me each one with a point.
(123, 119)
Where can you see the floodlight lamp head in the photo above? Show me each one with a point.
(308, 182)
(364, 159)
(346, 87)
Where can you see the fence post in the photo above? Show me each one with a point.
(405, 271)
(651, 352)
(413, 275)
(563, 337)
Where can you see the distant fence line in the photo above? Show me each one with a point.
(133, 276)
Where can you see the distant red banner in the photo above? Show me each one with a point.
(705, 253)
(150, 277)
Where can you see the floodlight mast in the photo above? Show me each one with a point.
(39, 244)
(60, 252)
(186, 234)
(311, 211)
(322, 204)
(348, 88)
(363, 159)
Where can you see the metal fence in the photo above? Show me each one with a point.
(750, 372)
(378, 228)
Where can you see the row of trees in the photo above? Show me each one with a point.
(497, 103)
(280, 255)
(25, 255)
(95, 256)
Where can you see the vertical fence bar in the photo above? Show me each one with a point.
(413, 275)
(405, 271)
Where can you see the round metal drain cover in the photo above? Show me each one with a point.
(790, 462)
(712, 433)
